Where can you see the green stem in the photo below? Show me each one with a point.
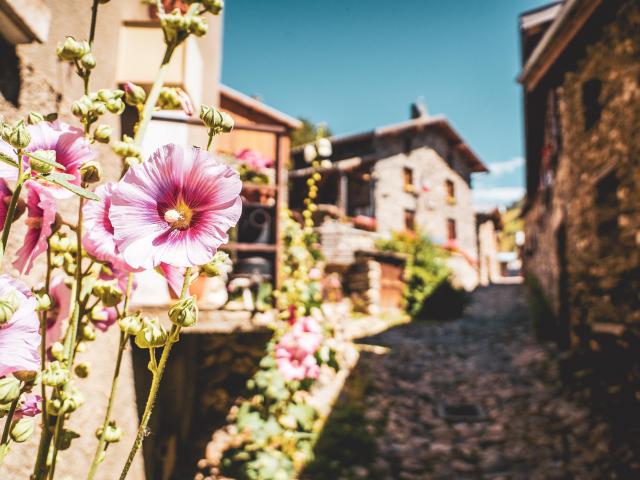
(94, 17)
(7, 424)
(56, 443)
(154, 94)
(102, 442)
(155, 383)
(11, 212)
(210, 139)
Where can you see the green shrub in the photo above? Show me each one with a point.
(426, 267)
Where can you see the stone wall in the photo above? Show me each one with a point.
(583, 232)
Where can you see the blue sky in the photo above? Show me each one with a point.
(358, 64)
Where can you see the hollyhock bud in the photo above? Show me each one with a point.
(40, 161)
(198, 26)
(8, 306)
(112, 434)
(323, 145)
(103, 133)
(88, 61)
(115, 106)
(19, 136)
(310, 153)
(55, 375)
(152, 334)
(134, 94)
(219, 122)
(184, 313)
(9, 389)
(108, 294)
(220, 265)
(81, 107)
(213, 6)
(21, 430)
(72, 399)
(72, 49)
(126, 148)
(53, 406)
(27, 376)
(88, 331)
(34, 118)
(91, 172)
(131, 324)
(82, 370)
(57, 351)
(44, 302)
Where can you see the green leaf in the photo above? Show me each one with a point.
(41, 158)
(62, 180)
(8, 160)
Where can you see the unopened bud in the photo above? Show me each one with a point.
(220, 265)
(9, 389)
(103, 133)
(22, 429)
(88, 331)
(81, 107)
(91, 172)
(213, 6)
(323, 145)
(57, 351)
(152, 334)
(20, 136)
(55, 375)
(44, 301)
(112, 433)
(134, 94)
(9, 303)
(40, 160)
(217, 121)
(310, 153)
(82, 370)
(34, 118)
(88, 61)
(72, 49)
(115, 106)
(184, 313)
(198, 26)
(108, 294)
(131, 324)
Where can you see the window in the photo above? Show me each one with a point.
(450, 188)
(451, 229)
(410, 220)
(591, 104)
(408, 179)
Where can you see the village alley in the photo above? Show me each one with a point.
(476, 397)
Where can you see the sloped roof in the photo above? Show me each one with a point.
(259, 107)
(436, 122)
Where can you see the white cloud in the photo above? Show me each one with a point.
(500, 168)
(485, 198)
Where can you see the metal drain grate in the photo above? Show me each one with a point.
(461, 412)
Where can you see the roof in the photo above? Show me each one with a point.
(259, 107)
(436, 122)
(537, 16)
(569, 20)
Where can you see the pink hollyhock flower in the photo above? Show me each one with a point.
(5, 198)
(59, 314)
(19, 336)
(7, 171)
(70, 144)
(41, 208)
(175, 208)
(254, 160)
(98, 239)
(174, 276)
(295, 352)
(30, 406)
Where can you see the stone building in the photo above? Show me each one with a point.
(414, 175)
(581, 82)
(489, 225)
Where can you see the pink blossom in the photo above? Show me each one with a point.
(19, 336)
(174, 276)
(5, 198)
(30, 406)
(41, 207)
(70, 144)
(254, 160)
(315, 274)
(98, 239)
(6, 170)
(175, 208)
(295, 352)
(56, 317)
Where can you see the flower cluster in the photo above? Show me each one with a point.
(295, 352)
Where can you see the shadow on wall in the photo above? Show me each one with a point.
(9, 72)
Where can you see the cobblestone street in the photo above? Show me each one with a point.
(476, 397)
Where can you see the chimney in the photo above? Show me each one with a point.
(419, 109)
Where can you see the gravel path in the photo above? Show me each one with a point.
(472, 398)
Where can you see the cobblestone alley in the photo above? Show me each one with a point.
(476, 397)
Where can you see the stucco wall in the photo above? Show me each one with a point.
(47, 85)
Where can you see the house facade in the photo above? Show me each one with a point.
(411, 176)
(581, 82)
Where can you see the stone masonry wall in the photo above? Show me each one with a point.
(596, 201)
